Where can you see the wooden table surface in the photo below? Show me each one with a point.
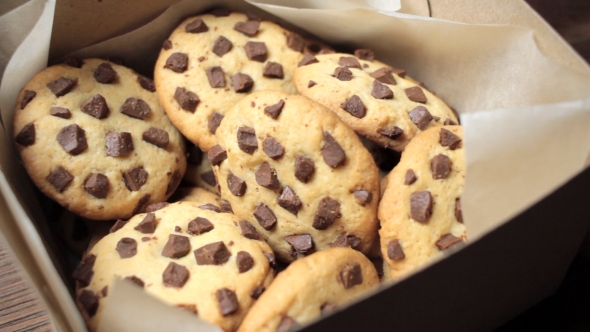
(567, 310)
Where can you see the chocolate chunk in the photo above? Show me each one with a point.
(174, 182)
(355, 107)
(271, 259)
(266, 218)
(97, 185)
(146, 83)
(244, 261)
(295, 42)
(135, 280)
(381, 91)
(326, 214)
(26, 136)
(351, 275)
(147, 225)
(157, 137)
(364, 54)
(289, 200)
(62, 85)
(410, 177)
(384, 75)
(127, 247)
(304, 168)
(421, 117)
(167, 44)
(28, 96)
(226, 207)
(287, 324)
(104, 291)
(96, 107)
(363, 197)
(249, 28)
(273, 70)
(266, 176)
(332, 152)
(346, 240)
(311, 84)
(156, 206)
(199, 226)
(214, 122)
(247, 139)
(416, 94)
(343, 73)
(177, 246)
(60, 178)
(221, 46)
(256, 51)
(274, 110)
(187, 100)
(105, 74)
(136, 108)
(210, 207)
(216, 155)
(209, 178)
(349, 61)
(175, 275)
(84, 271)
(119, 143)
(74, 62)
(141, 204)
(118, 225)
(236, 185)
(177, 62)
(395, 252)
(215, 253)
(301, 243)
(448, 240)
(273, 148)
(135, 178)
(399, 72)
(73, 139)
(220, 12)
(458, 210)
(394, 133)
(449, 122)
(440, 166)
(242, 82)
(308, 59)
(447, 138)
(216, 77)
(257, 291)
(60, 112)
(196, 26)
(436, 118)
(89, 301)
(421, 206)
(228, 301)
(248, 230)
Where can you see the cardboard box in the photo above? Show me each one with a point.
(529, 225)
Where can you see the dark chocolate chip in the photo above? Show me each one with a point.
(440, 166)
(381, 91)
(215, 253)
(421, 206)
(61, 112)
(249, 28)
(214, 122)
(346, 240)
(228, 301)
(175, 275)
(436, 118)
(271, 259)
(301, 243)
(247, 139)
(332, 152)
(147, 225)
(399, 72)
(127, 247)
(105, 74)
(26, 136)
(196, 26)
(187, 100)
(118, 225)
(256, 51)
(395, 252)
(74, 62)
(416, 94)
(343, 73)
(73, 139)
(84, 271)
(28, 96)
(364, 54)
(60, 178)
(410, 177)
(156, 206)
(363, 197)
(97, 185)
(146, 83)
(142, 203)
(248, 230)
(349, 61)
(199, 226)
(221, 12)
(104, 291)
(287, 324)
(157, 137)
(304, 168)
(274, 110)
(447, 138)
(257, 291)
(384, 75)
(273, 70)
(266, 176)
(242, 82)
(209, 178)
(448, 240)
(221, 46)
(96, 107)
(273, 148)
(449, 122)
(216, 155)
(225, 207)
(119, 144)
(135, 280)
(177, 62)
(354, 105)
(210, 207)
(216, 77)
(135, 178)
(136, 108)
(236, 185)
(311, 84)
(266, 218)
(308, 59)
(421, 117)
(62, 85)
(458, 210)
(295, 42)
(174, 182)
(89, 301)
(177, 246)
(289, 200)
(167, 44)
(394, 133)
(244, 261)
(351, 275)
(326, 214)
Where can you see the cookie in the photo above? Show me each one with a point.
(420, 211)
(212, 61)
(205, 199)
(372, 98)
(95, 139)
(297, 173)
(187, 256)
(312, 287)
(199, 172)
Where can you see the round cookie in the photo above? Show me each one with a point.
(420, 211)
(312, 287)
(210, 62)
(372, 98)
(199, 172)
(186, 256)
(297, 173)
(95, 139)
